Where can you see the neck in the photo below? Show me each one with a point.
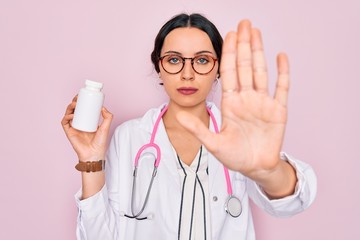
(199, 111)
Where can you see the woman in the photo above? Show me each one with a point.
(191, 194)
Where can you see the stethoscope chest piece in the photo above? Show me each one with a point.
(233, 206)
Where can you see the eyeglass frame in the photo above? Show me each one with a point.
(183, 63)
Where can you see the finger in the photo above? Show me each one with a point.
(70, 108)
(107, 119)
(198, 129)
(228, 64)
(259, 62)
(75, 98)
(65, 122)
(103, 131)
(244, 55)
(283, 82)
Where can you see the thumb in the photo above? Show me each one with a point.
(103, 130)
(107, 118)
(195, 126)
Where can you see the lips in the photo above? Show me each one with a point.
(187, 90)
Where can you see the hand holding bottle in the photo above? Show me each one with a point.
(90, 142)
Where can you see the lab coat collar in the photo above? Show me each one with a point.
(168, 157)
(217, 183)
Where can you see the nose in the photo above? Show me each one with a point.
(188, 72)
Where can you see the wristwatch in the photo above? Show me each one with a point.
(91, 166)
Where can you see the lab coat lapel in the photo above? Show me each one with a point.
(217, 184)
(168, 171)
(167, 180)
(217, 195)
(215, 167)
(168, 158)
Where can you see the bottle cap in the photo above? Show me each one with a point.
(94, 84)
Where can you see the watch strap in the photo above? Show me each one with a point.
(91, 166)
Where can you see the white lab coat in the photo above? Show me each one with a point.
(100, 216)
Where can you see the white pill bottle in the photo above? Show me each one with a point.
(88, 107)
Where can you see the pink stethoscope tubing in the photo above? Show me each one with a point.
(232, 205)
(152, 144)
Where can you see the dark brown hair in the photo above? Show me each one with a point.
(184, 20)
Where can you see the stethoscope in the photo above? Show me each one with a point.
(232, 204)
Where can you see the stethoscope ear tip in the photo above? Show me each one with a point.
(122, 214)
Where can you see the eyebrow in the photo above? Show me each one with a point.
(197, 53)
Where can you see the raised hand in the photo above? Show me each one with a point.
(253, 122)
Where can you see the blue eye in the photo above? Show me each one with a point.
(202, 60)
(174, 59)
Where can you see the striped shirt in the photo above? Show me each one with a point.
(194, 220)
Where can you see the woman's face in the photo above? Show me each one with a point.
(188, 88)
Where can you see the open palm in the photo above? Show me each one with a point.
(253, 122)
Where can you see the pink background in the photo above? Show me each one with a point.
(48, 49)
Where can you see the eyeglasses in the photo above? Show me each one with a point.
(173, 64)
